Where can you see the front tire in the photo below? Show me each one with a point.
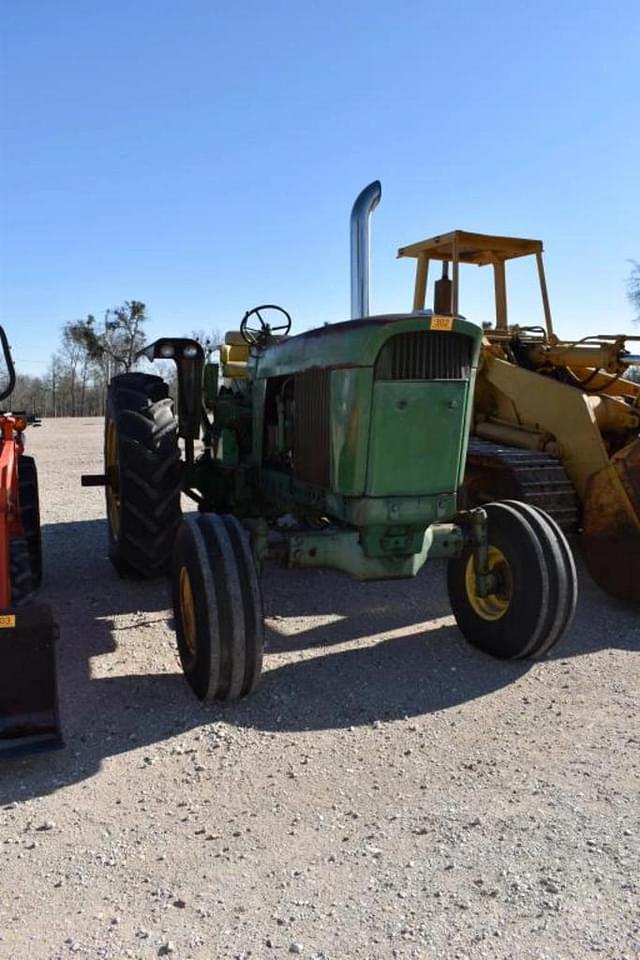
(142, 466)
(217, 604)
(30, 514)
(534, 598)
(563, 577)
(20, 574)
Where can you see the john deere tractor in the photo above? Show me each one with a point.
(343, 447)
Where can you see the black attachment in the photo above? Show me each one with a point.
(28, 697)
(188, 356)
(94, 480)
(442, 291)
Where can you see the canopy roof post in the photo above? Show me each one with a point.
(422, 273)
(500, 287)
(455, 259)
(545, 295)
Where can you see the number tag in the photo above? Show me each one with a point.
(7, 621)
(441, 323)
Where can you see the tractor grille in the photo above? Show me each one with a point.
(311, 431)
(423, 355)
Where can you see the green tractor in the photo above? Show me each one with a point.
(343, 447)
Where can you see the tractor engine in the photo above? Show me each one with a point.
(279, 423)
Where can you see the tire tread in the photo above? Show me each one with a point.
(150, 474)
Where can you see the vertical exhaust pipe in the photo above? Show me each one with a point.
(366, 202)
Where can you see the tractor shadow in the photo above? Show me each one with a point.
(339, 654)
(110, 702)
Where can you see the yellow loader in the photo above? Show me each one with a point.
(556, 423)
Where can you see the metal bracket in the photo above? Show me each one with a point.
(94, 480)
(485, 580)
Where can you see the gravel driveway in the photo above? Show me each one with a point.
(387, 791)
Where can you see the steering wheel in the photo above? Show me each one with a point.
(254, 334)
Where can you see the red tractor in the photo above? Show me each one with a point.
(28, 700)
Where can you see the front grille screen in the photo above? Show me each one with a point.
(423, 355)
(311, 430)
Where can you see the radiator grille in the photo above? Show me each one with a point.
(311, 431)
(423, 355)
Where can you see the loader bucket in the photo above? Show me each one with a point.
(611, 525)
(28, 696)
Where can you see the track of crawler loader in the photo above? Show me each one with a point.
(496, 472)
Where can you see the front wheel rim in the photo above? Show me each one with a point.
(494, 606)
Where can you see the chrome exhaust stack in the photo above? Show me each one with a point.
(366, 202)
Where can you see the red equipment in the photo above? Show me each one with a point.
(28, 698)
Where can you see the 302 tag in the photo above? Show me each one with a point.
(7, 621)
(442, 323)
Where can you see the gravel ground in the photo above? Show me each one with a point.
(387, 791)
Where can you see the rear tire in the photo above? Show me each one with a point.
(217, 607)
(30, 514)
(525, 615)
(142, 464)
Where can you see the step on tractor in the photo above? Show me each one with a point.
(555, 422)
(28, 700)
(343, 447)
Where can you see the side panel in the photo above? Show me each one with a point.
(466, 426)
(350, 419)
(259, 390)
(416, 437)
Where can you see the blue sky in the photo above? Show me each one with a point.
(203, 157)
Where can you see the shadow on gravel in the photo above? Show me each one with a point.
(349, 609)
(423, 668)
(422, 672)
(107, 715)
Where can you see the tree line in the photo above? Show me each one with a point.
(91, 351)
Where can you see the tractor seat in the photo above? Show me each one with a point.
(234, 353)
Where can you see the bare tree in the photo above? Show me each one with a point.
(633, 289)
(125, 327)
(75, 359)
(114, 343)
(208, 341)
(91, 351)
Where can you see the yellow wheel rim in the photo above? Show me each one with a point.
(495, 605)
(187, 610)
(112, 471)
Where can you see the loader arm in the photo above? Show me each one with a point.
(521, 397)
